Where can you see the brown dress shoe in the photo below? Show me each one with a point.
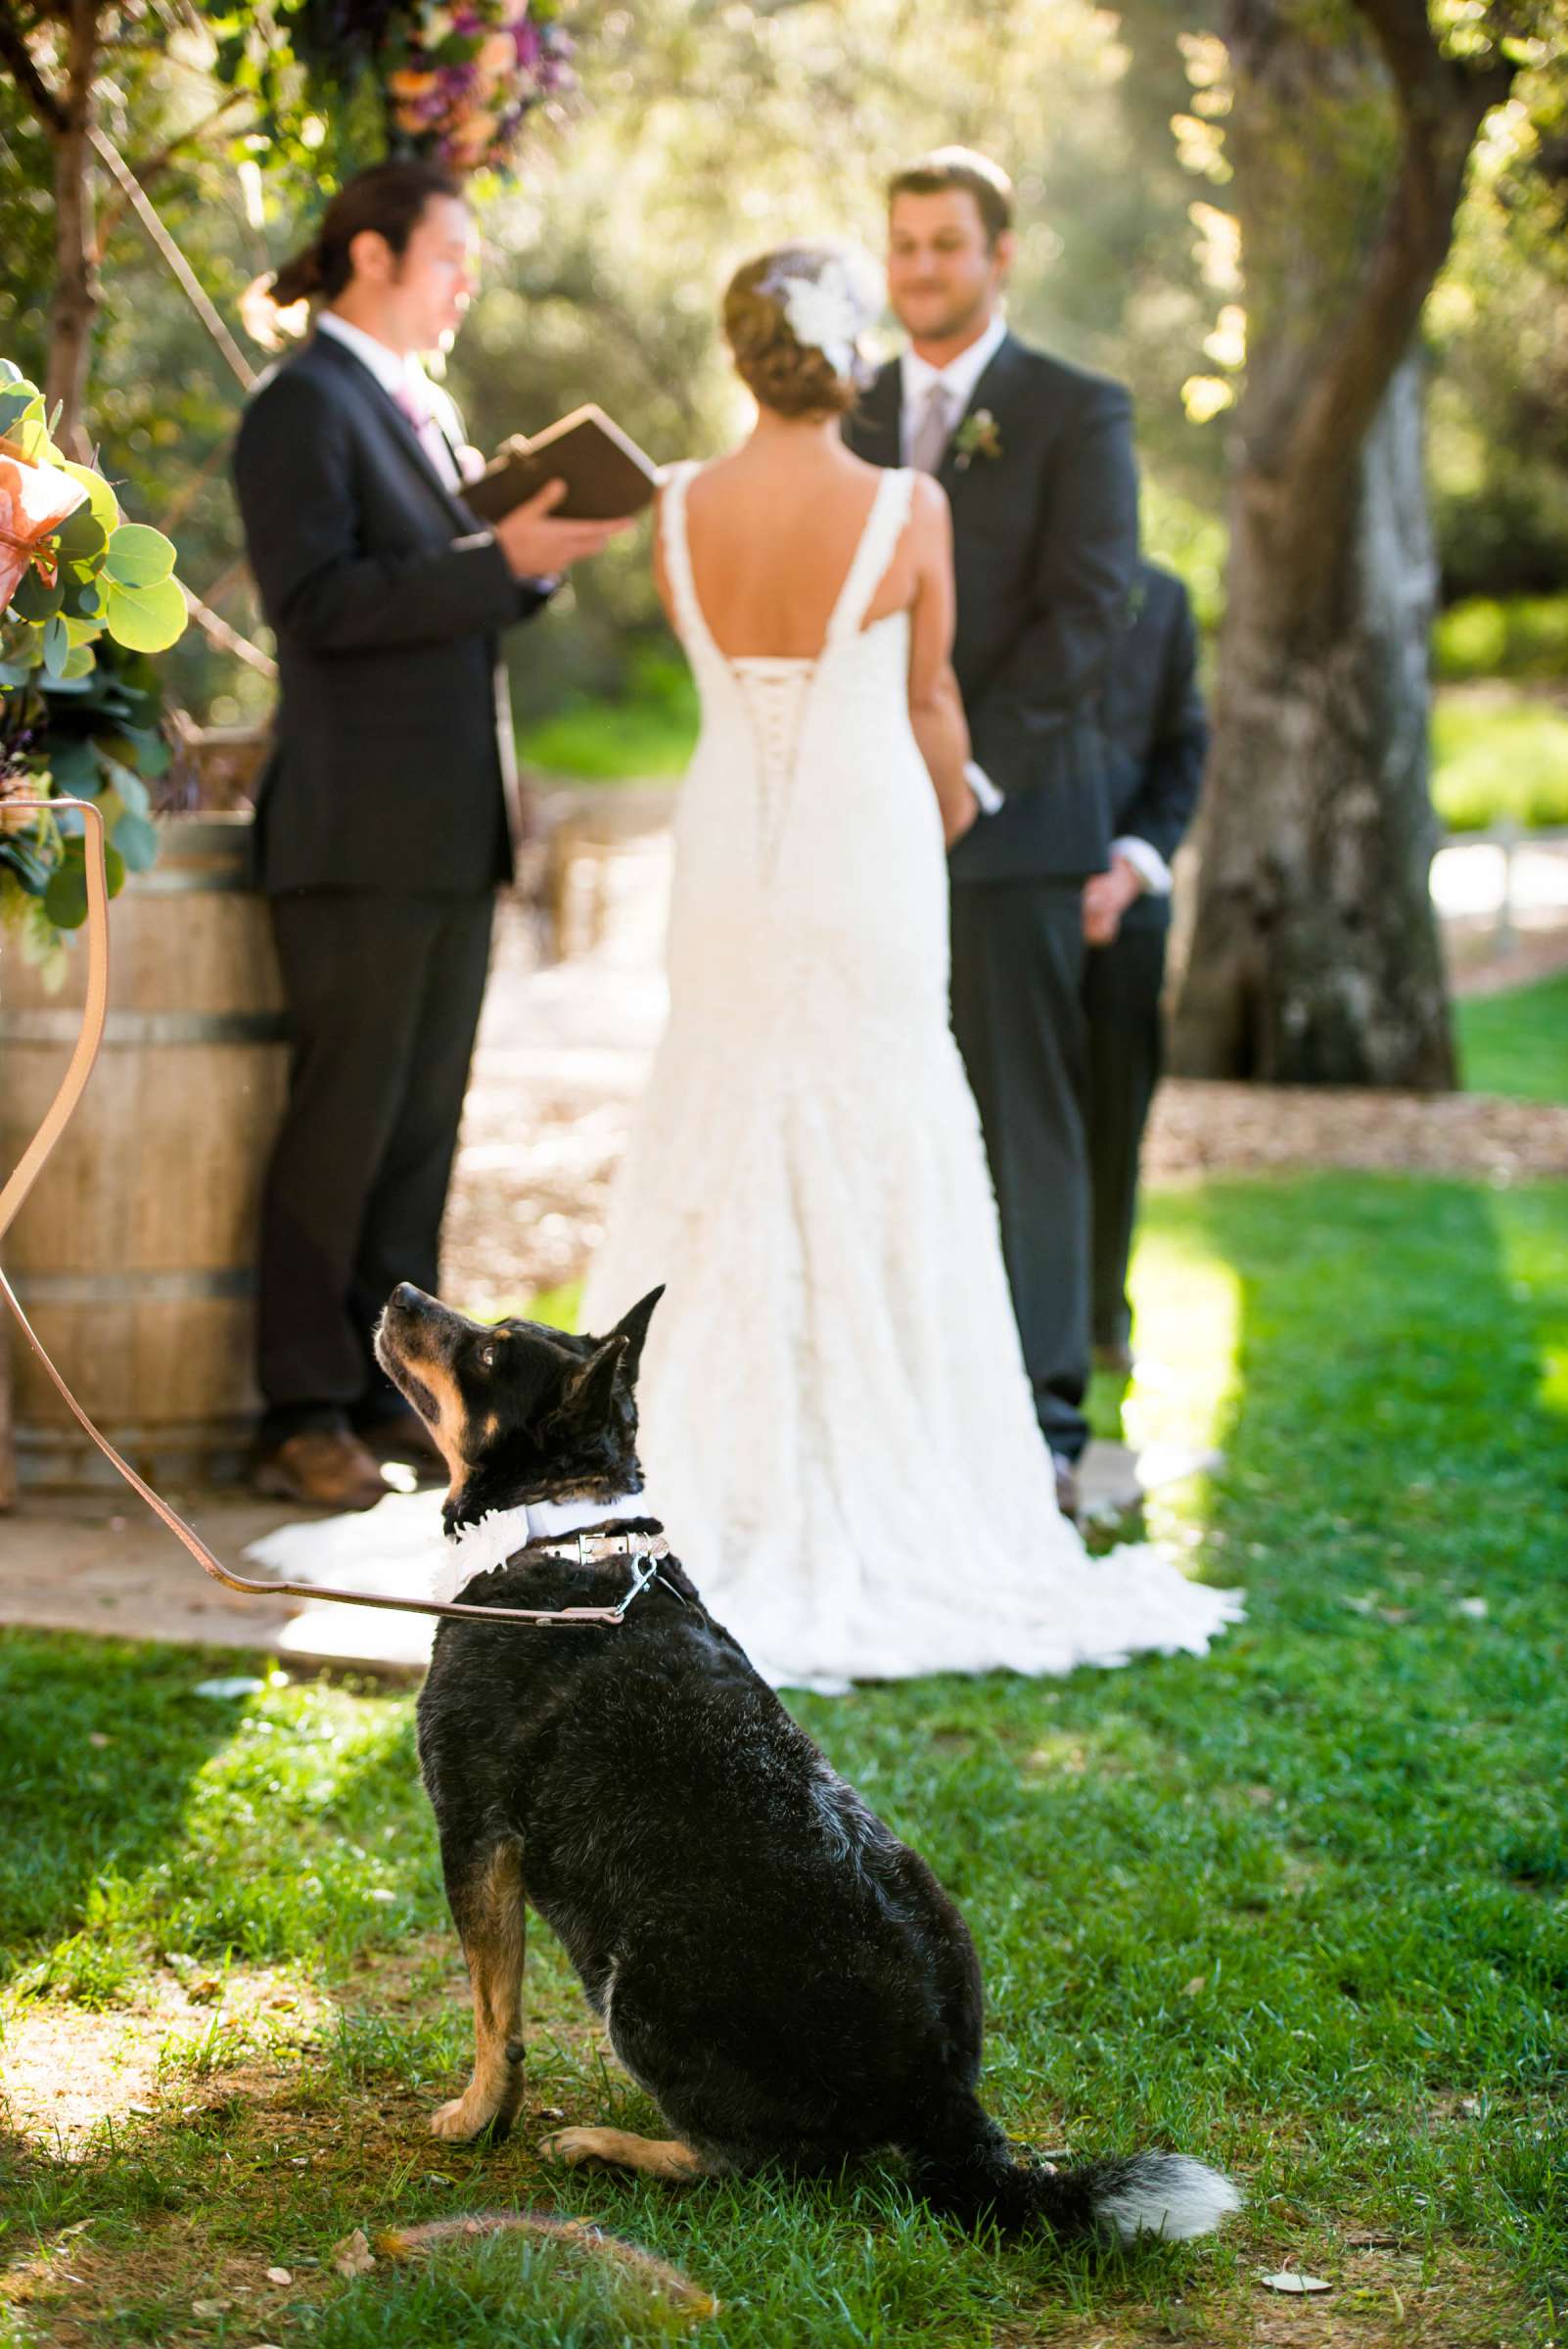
(324, 1468)
(404, 1436)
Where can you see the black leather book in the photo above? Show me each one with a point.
(606, 473)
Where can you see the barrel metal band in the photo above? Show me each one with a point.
(148, 1028)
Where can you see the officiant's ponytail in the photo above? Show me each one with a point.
(389, 198)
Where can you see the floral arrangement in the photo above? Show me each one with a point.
(463, 75)
(84, 598)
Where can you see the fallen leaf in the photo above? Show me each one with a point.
(551, 2112)
(79, 2228)
(1476, 1608)
(1291, 2280)
(279, 2275)
(97, 1737)
(210, 2307)
(353, 2255)
(1192, 1989)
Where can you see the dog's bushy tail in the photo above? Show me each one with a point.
(982, 2178)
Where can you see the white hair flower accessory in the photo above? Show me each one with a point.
(830, 310)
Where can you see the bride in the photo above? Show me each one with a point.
(836, 1421)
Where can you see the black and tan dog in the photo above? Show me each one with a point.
(787, 1980)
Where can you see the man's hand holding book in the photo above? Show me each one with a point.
(564, 494)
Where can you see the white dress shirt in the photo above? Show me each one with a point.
(403, 380)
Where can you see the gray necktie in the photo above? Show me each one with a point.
(930, 435)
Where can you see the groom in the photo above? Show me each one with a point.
(1036, 459)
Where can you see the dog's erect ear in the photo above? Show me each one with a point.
(587, 1395)
(633, 1327)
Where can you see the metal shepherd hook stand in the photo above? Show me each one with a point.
(25, 1174)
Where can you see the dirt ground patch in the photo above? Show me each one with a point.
(68, 2071)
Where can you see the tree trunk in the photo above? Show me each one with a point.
(75, 308)
(1315, 956)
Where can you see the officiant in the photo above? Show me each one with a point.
(387, 813)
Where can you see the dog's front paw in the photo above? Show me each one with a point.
(573, 2145)
(462, 2120)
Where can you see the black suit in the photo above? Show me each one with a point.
(383, 827)
(1155, 723)
(1046, 546)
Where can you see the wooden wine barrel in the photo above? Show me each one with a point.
(133, 1257)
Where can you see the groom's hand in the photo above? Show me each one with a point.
(536, 545)
(1106, 897)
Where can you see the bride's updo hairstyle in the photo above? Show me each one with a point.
(793, 319)
(389, 198)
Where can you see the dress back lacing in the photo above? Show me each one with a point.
(774, 690)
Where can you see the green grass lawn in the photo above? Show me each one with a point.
(1301, 1907)
(1516, 1043)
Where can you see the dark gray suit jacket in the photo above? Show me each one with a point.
(387, 598)
(1045, 541)
(1154, 721)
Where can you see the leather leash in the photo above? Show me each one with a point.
(26, 1174)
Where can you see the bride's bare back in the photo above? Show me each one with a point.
(773, 531)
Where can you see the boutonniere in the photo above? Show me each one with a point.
(977, 437)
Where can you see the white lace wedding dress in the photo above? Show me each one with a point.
(836, 1421)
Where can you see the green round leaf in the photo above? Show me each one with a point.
(15, 400)
(81, 537)
(130, 788)
(80, 661)
(35, 598)
(147, 619)
(138, 557)
(56, 646)
(75, 767)
(137, 842)
(83, 602)
(102, 502)
(65, 901)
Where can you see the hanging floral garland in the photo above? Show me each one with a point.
(461, 79)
